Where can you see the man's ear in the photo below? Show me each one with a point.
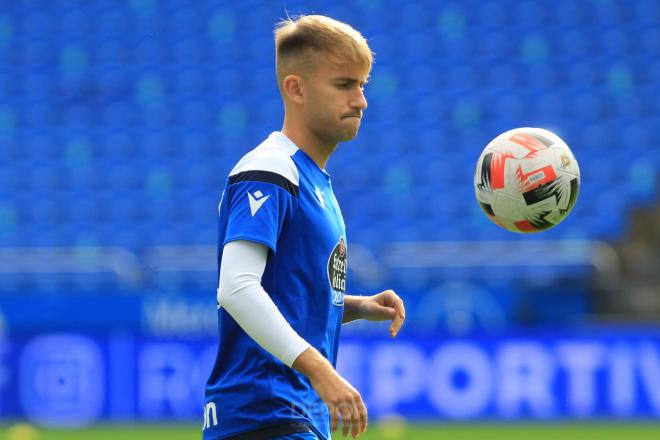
(293, 88)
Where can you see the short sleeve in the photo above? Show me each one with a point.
(260, 203)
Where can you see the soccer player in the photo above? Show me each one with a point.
(282, 254)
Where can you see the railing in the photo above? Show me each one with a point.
(447, 254)
(73, 260)
(131, 270)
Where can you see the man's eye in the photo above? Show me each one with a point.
(343, 85)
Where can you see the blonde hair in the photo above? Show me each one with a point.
(296, 40)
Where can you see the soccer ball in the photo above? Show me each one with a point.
(527, 180)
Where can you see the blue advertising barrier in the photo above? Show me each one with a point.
(73, 379)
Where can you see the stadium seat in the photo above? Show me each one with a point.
(145, 113)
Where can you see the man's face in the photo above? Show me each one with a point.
(335, 100)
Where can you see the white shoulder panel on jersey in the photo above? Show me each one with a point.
(273, 155)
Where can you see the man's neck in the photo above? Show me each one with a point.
(309, 143)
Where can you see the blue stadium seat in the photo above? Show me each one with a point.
(188, 51)
(646, 12)
(491, 15)
(571, 13)
(608, 13)
(145, 113)
(530, 12)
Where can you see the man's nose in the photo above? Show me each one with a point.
(360, 102)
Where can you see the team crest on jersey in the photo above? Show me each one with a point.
(337, 266)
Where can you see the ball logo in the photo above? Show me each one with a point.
(565, 161)
(536, 177)
(337, 266)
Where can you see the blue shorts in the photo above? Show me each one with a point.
(299, 436)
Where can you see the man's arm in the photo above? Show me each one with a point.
(342, 399)
(240, 293)
(352, 305)
(380, 307)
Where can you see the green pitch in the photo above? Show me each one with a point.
(394, 431)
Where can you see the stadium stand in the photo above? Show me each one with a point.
(120, 120)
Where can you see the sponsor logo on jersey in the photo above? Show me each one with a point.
(210, 416)
(319, 196)
(337, 267)
(256, 200)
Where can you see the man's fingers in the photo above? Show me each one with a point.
(356, 418)
(334, 418)
(386, 312)
(400, 315)
(397, 322)
(345, 418)
(351, 418)
(364, 418)
(355, 423)
(397, 302)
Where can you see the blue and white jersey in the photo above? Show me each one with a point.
(276, 195)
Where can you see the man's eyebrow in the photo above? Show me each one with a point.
(349, 80)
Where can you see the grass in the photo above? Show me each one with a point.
(391, 431)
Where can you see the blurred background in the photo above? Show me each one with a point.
(120, 119)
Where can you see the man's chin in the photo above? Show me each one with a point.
(348, 135)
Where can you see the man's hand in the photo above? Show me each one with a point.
(342, 399)
(383, 306)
